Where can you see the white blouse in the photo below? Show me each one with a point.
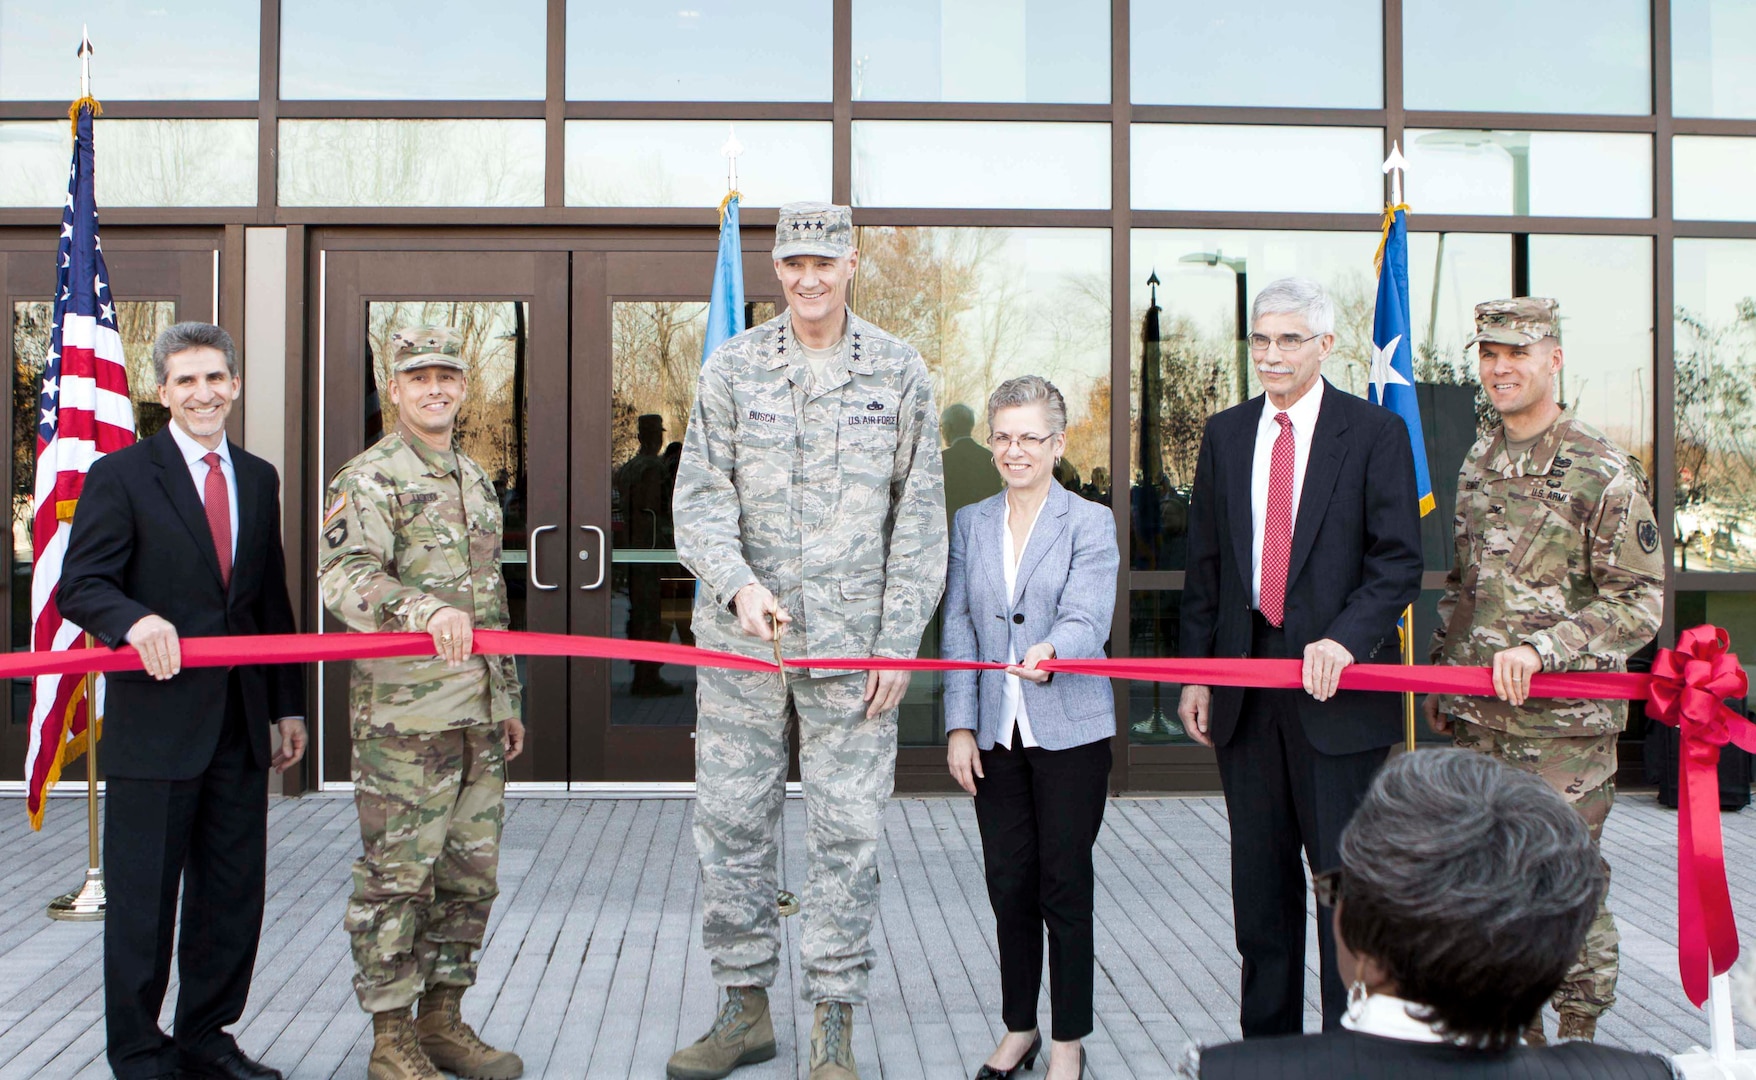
(1012, 704)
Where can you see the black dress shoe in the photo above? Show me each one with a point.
(1027, 1062)
(233, 1066)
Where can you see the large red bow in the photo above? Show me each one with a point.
(1689, 686)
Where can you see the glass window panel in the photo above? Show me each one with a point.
(982, 50)
(1587, 56)
(1713, 58)
(1196, 52)
(145, 52)
(984, 305)
(678, 162)
(1207, 276)
(1261, 168)
(1711, 178)
(1448, 275)
(492, 426)
(655, 357)
(1003, 165)
(710, 50)
(140, 162)
(1715, 351)
(1552, 173)
(411, 162)
(138, 322)
(495, 57)
(1604, 284)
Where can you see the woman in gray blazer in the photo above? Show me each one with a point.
(1032, 577)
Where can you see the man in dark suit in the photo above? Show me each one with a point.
(1304, 542)
(180, 535)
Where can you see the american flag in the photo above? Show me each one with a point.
(85, 413)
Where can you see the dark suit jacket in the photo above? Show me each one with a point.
(1356, 559)
(141, 545)
(1342, 1053)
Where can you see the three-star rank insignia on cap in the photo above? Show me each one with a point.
(1647, 533)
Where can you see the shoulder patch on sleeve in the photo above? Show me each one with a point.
(1647, 534)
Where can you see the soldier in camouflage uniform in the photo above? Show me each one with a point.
(411, 542)
(1557, 568)
(810, 494)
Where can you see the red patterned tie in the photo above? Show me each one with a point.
(1277, 530)
(219, 513)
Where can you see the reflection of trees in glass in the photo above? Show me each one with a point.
(177, 162)
(961, 296)
(411, 163)
(138, 322)
(656, 351)
(1716, 446)
(489, 428)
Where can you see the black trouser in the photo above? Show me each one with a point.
(1282, 795)
(1039, 812)
(211, 832)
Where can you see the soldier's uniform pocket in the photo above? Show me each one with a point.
(426, 555)
(1545, 543)
(862, 598)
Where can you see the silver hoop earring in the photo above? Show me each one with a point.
(1356, 1000)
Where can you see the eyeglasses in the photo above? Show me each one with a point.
(1000, 442)
(1285, 342)
(1327, 886)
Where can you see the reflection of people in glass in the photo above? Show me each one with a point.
(1032, 576)
(1098, 490)
(969, 468)
(1067, 475)
(677, 593)
(641, 483)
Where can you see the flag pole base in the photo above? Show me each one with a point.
(85, 904)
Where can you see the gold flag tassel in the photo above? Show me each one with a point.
(725, 202)
(1384, 234)
(88, 101)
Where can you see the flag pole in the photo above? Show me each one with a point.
(1408, 660)
(88, 902)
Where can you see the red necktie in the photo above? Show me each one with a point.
(1277, 529)
(219, 514)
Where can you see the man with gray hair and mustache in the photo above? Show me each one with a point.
(1304, 543)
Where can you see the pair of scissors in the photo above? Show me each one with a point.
(775, 623)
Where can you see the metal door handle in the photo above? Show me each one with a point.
(532, 541)
(585, 553)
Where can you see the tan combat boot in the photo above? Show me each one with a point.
(396, 1049)
(1576, 1025)
(742, 1034)
(832, 1042)
(454, 1046)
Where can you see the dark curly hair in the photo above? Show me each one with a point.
(1472, 885)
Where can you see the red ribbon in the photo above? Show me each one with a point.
(1689, 686)
(1685, 690)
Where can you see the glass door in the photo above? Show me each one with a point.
(640, 321)
(510, 308)
(152, 290)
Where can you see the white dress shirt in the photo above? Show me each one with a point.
(1388, 1016)
(1303, 414)
(1012, 706)
(193, 452)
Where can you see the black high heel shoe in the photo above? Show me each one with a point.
(1027, 1062)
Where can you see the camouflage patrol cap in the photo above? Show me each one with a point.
(1523, 320)
(814, 228)
(425, 346)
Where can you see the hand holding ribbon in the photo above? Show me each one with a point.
(1689, 685)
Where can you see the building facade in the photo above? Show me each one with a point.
(1086, 189)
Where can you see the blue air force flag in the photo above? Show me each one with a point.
(725, 311)
(1393, 371)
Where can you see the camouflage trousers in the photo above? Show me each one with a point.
(430, 808)
(848, 765)
(1583, 770)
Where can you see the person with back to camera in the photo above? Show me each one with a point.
(1464, 893)
(1032, 577)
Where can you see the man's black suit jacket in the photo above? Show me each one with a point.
(1356, 559)
(141, 545)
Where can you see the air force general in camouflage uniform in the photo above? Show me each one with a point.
(1557, 568)
(411, 542)
(810, 487)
